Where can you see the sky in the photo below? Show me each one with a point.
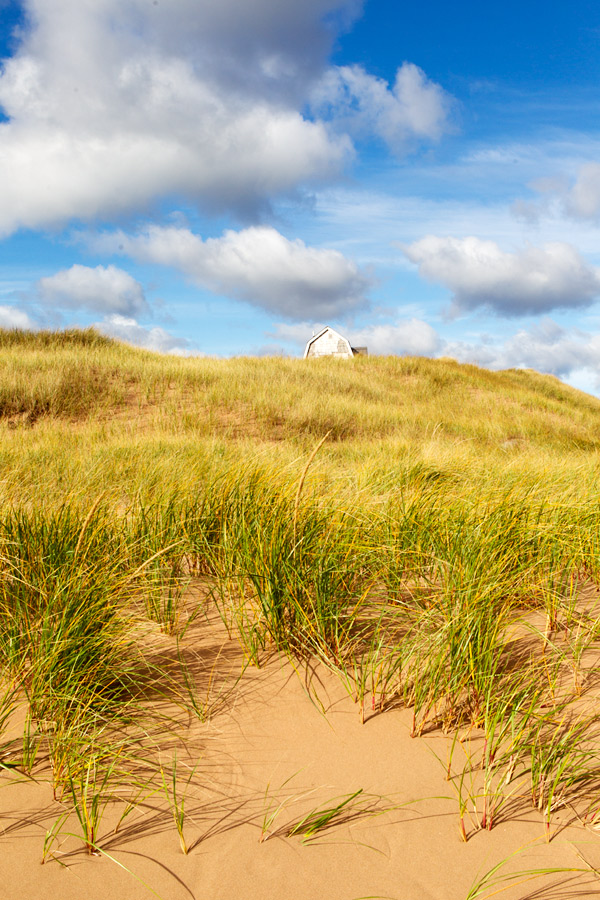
(226, 178)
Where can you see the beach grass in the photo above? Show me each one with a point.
(430, 532)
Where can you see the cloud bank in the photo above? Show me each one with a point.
(143, 100)
(529, 281)
(546, 347)
(114, 104)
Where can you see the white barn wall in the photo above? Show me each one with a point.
(328, 343)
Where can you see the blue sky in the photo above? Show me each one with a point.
(224, 178)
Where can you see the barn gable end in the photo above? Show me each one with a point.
(329, 342)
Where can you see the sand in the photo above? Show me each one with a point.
(279, 743)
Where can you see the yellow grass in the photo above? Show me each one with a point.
(79, 412)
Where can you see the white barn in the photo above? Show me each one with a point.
(329, 342)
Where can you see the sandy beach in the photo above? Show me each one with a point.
(279, 744)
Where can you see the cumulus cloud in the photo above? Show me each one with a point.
(257, 265)
(127, 329)
(101, 289)
(409, 337)
(11, 317)
(412, 108)
(546, 347)
(582, 200)
(532, 280)
(112, 103)
(560, 196)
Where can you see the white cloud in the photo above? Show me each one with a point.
(532, 280)
(409, 337)
(574, 193)
(297, 333)
(112, 103)
(582, 201)
(101, 289)
(157, 339)
(545, 347)
(257, 265)
(413, 108)
(11, 317)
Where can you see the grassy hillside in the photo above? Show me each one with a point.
(81, 375)
(443, 539)
(77, 410)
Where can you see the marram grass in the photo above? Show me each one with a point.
(434, 553)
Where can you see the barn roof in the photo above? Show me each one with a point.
(323, 330)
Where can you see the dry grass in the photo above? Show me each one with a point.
(79, 412)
